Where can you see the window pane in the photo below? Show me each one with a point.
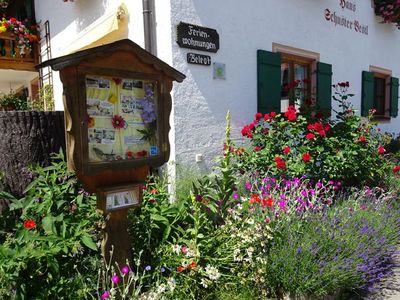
(285, 80)
(301, 74)
(379, 97)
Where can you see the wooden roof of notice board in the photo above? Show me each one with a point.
(107, 49)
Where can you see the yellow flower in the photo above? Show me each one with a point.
(3, 29)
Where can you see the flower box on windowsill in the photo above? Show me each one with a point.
(389, 10)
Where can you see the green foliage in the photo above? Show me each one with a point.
(12, 102)
(45, 100)
(349, 148)
(55, 235)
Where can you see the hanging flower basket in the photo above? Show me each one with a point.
(389, 10)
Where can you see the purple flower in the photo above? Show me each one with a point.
(105, 295)
(125, 270)
(115, 279)
(236, 196)
(162, 270)
(147, 268)
(247, 185)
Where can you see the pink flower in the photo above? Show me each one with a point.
(105, 295)
(125, 270)
(184, 249)
(115, 279)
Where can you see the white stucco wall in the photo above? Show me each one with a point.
(68, 19)
(201, 102)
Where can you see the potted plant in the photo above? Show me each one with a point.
(389, 10)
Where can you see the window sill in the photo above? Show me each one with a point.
(381, 118)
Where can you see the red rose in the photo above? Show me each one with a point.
(30, 224)
(180, 269)
(381, 150)
(362, 139)
(310, 136)
(306, 157)
(286, 150)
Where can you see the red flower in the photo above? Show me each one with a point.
(192, 265)
(129, 154)
(291, 113)
(257, 148)
(272, 114)
(280, 163)
(327, 127)
(180, 269)
(142, 153)
(362, 139)
(322, 133)
(310, 136)
(255, 199)
(268, 202)
(258, 116)
(381, 150)
(118, 122)
(286, 150)
(30, 224)
(153, 191)
(396, 169)
(267, 117)
(306, 157)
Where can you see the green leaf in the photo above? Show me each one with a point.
(88, 242)
(48, 224)
(159, 218)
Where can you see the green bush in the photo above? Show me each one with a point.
(54, 237)
(348, 148)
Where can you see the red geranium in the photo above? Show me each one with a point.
(381, 150)
(362, 139)
(30, 224)
(267, 117)
(280, 163)
(291, 113)
(396, 169)
(257, 148)
(272, 114)
(258, 116)
(286, 150)
(255, 199)
(306, 157)
(310, 136)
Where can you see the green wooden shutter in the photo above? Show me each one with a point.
(394, 96)
(324, 88)
(367, 93)
(268, 81)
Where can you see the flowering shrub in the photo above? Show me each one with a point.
(49, 238)
(389, 10)
(24, 35)
(347, 149)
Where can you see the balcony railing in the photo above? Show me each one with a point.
(13, 56)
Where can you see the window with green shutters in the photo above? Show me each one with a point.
(276, 71)
(381, 93)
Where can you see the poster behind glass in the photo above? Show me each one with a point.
(122, 121)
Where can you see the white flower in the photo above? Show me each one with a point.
(250, 251)
(204, 283)
(212, 272)
(161, 288)
(190, 253)
(176, 249)
(171, 283)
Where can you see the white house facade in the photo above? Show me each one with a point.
(240, 55)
